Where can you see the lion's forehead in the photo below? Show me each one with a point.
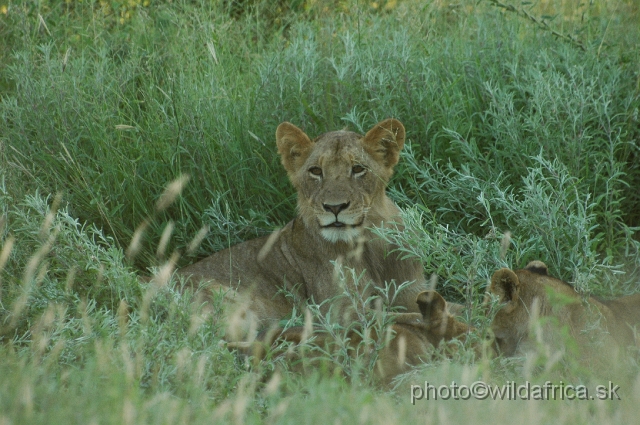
(340, 136)
(339, 150)
(534, 282)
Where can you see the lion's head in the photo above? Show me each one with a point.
(523, 295)
(341, 176)
(440, 324)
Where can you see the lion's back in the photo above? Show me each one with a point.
(228, 265)
(626, 318)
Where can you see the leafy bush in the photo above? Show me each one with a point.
(128, 127)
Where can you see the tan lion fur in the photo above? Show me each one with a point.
(340, 178)
(529, 292)
(409, 342)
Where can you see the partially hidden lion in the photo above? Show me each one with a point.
(340, 178)
(407, 343)
(532, 293)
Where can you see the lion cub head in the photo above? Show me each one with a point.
(523, 294)
(602, 329)
(341, 177)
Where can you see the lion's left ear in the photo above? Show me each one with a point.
(294, 146)
(431, 305)
(506, 285)
(385, 141)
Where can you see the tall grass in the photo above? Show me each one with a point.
(182, 90)
(521, 145)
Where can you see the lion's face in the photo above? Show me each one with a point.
(522, 295)
(341, 176)
(510, 328)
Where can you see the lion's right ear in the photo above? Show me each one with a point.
(293, 146)
(505, 284)
(538, 267)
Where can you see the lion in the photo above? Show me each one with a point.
(407, 343)
(531, 292)
(341, 180)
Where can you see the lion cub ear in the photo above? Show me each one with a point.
(505, 284)
(385, 141)
(431, 305)
(537, 266)
(293, 146)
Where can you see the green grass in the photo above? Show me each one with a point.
(509, 129)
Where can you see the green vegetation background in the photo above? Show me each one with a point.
(521, 117)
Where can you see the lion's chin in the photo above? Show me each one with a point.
(340, 234)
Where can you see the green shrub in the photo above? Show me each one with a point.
(522, 144)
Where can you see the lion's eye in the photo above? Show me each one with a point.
(357, 169)
(316, 171)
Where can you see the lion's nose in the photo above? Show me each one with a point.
(336, 208)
